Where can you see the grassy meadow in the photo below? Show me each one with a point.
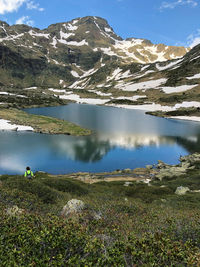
(135, 225)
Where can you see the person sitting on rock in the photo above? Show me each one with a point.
(28, 173)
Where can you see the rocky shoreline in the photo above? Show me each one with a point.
(146, 175)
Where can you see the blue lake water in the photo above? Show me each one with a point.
(121, 139)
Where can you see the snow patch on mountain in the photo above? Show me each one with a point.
(171, 64)
(33, 33)
(178, 89)
(54, 42)
(133, 98)
(75, 74)
(78, 99)
(11, 37)
(107, 29)
(114, 74)
(108, 51)
(70, 27)
(64, 35)
(141, 86)
(196, 76)
(74, 43)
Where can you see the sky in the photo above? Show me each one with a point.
(172, 22)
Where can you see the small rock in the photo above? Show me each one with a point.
(149, 167)
(161, 164)
(97, 216)
(14, 211)
(73, 206)
(127, 183)
(181, 190)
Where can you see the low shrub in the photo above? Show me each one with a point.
(64, 185)
(147, 193)
(43, 192)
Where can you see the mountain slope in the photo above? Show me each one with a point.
(66, 51)
(166, 86)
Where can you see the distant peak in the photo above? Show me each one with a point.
(3, 23)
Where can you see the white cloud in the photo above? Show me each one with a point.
(25, 20)
(32, 5)
(174, 4)
(194, 39)
(8, 6)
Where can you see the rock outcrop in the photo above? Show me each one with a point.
(187, 163)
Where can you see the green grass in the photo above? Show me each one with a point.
(43, 124)
(139, 225)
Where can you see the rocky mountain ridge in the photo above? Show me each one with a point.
(67, 50)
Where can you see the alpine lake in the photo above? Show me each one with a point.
(121, 138)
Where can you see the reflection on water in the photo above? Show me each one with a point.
(122, 139)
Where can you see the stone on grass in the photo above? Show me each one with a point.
(73, 206)
(14, 211)
(97, 216)
(127, 183)
(181, 190)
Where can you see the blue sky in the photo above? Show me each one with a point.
(172, 22)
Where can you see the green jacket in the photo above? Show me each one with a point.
(28, 173)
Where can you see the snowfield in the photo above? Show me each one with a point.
(188, 118)
(168, 66)
(196, 76)
(158, 107)
(6, 125)
(182, 88)
(142, 85)
(77, 98)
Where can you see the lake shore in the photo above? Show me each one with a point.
(54, 97)
(145, 175)
(190, 114)
(18, 120)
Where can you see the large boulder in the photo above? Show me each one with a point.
(181, 190)
(73, 206)
(171, 172)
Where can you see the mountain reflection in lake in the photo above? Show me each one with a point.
(121, 139)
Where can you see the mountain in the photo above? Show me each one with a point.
(64, 51)
(85, 61)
